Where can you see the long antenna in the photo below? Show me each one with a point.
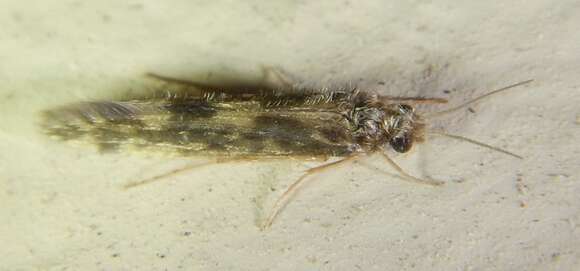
(416, 100)
(453, 109)
(462, 138)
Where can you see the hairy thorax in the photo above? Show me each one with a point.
(374, 123)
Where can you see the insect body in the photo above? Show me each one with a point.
(246, 123)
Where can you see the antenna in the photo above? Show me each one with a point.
(462, 138)
(453, 109)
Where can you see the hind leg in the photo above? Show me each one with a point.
(294, 187)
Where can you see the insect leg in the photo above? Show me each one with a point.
(405, 175)
(182, 170)
(165, 175)
(293, 188)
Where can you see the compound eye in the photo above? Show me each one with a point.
(402, 143)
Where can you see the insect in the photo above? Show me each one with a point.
(254, 122)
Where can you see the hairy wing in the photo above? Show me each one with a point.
(219, 125)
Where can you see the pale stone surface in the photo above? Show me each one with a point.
(63, 207)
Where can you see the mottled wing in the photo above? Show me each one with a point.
(253, 125)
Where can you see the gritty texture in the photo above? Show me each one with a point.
(63, 207)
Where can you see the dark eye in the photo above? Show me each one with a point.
(401, 143)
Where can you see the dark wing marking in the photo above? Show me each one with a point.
(220, 126)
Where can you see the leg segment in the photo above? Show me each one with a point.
(292, 189)
(407, 176)
(182, 170)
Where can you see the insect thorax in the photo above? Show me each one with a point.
(375, 124)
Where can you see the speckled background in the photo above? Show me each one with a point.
(63, 207)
